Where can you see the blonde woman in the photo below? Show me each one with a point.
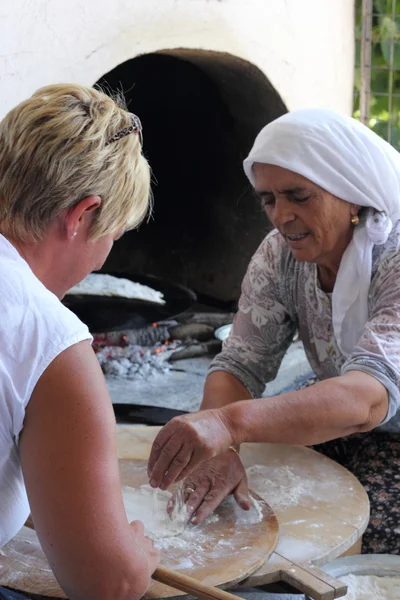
(72, 180)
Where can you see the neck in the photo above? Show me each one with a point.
(328, 266)
(48, 261)
(327, 277)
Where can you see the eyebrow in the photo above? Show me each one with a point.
(288, 191)
(292, 190)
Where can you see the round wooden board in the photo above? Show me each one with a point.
(231, 545)
(322, 509)
(227, 548)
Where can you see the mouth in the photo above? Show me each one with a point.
(296, 237)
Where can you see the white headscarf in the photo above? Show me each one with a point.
(347, 159)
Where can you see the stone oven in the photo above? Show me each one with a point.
(200, 112)
(204, 76)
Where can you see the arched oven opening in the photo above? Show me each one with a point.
(200, 111)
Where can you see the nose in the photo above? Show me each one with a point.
(282, 212)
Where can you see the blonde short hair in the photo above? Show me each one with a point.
(54, 153)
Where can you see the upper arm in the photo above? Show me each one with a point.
(377, 352)
(262, 329)
(68, 457)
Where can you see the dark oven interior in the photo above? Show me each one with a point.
(200, 111)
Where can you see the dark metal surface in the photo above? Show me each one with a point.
(148, 415)
(107, 313)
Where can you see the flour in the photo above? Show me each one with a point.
(229, 534)
(371, 587)
(149, 505)
(286, 486)
(280, 486)
(192, 534)
(185, 546)
(99, 284)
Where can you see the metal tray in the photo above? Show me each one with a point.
(383, 565)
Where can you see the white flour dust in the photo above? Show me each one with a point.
(189, 538)
(280, 486)
(183, 545)
(371, 587)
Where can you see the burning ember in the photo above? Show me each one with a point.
(135, 354)
(133, 362)
(143, 353)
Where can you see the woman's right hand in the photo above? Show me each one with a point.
(146, 544)
(211, 482)
(186, 441)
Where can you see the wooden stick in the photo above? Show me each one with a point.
(190, 585)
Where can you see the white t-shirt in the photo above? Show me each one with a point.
(34, 328)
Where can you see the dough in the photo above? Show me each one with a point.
(150, 506)
(99, 284)
(371, 587)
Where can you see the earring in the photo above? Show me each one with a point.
(355, 220)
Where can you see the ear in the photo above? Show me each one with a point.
(78, 219)
(354, 209)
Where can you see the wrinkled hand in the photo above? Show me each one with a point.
(184, 442)
(146, 544)
(211, 482)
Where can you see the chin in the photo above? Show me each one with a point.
(303, 255)
(98, 266)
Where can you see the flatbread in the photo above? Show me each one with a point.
(99, 284)
(149, 505)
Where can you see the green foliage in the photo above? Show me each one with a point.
(385, 69)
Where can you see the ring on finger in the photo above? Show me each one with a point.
(189, 490)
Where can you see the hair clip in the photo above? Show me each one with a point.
(134, 127)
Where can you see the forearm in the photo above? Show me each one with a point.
(222, 388)
(334, 408)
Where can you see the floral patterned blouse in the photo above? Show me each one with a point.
(281, 295)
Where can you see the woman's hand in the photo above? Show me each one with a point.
(146, 544)
(186, 441)
(211, 482)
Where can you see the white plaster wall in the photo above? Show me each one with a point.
(305, 47)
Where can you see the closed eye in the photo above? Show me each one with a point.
(299, 198)
(295, 194)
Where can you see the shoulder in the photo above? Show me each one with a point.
(273, 254)
(31, 309)
(35, 328)
(386, 259)
(270, 273)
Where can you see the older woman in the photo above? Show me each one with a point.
(72, 180)
(331, 269)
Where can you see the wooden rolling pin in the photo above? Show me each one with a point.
(191, 586)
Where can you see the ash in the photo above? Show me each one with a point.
(134, 362)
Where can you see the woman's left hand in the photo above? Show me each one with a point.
(186, 441)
